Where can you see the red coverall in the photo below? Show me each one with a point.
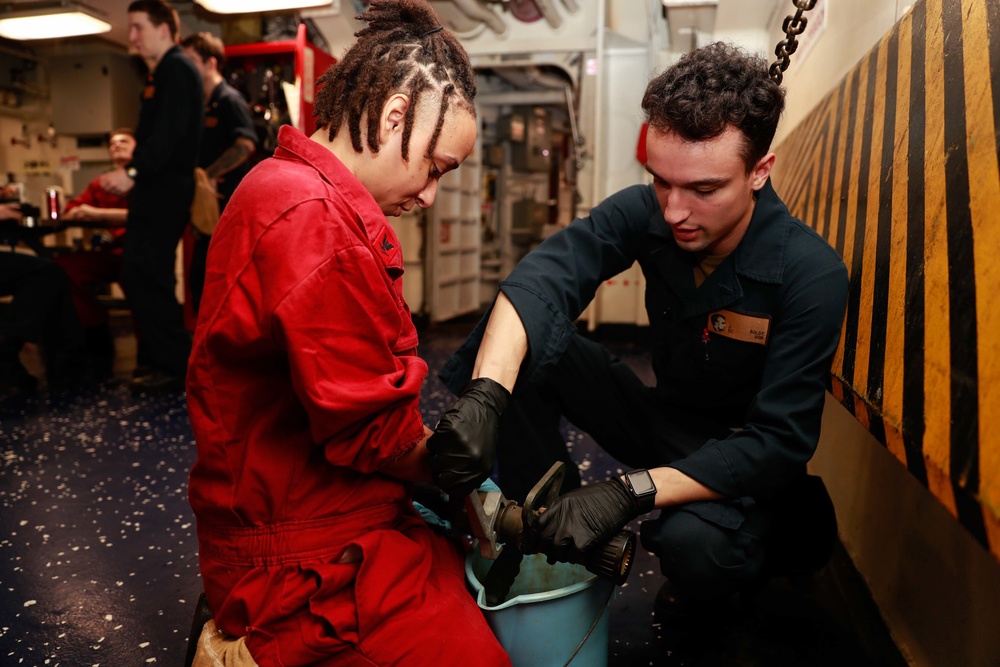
(94, 267)
(303, 382)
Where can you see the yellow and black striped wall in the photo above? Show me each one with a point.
(898, 168)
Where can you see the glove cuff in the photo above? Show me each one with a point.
(490, 389)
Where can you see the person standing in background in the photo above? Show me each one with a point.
(160, 181)
(227, 142)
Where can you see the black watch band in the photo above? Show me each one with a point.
(640, 484)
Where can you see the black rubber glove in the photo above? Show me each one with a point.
(464, 443)
(584, 517)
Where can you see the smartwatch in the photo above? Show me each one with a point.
(131, 172)
(640, 483)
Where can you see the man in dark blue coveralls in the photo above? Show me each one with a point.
(160, 178)
(227, 142)
(745, 305)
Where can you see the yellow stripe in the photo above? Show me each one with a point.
(984, 192)
(893, 375)
(862, 414)
(992, 523)
(791, 187)
(807, 207)
(851, 219)
(937, 345)
(830, 113)
(867, 278)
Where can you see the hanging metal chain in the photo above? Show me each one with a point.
(793, 25)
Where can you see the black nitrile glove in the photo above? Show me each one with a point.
(464, 443)
(584, 517)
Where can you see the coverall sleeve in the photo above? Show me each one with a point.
(340, 326)
(783, 421)
(86, 197)
(556, 281)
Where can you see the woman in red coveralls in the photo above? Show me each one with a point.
(304, 380)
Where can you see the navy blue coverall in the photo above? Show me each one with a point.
(166, 153)
(227, 118)
(739, 413)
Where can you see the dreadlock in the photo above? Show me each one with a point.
(402, 50)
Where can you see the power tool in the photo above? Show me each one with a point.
(505, 529)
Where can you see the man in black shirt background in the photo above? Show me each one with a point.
(160, 184)
(227, 142)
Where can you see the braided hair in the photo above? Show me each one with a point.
(403, 50)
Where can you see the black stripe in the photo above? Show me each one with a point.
(876, 425)
(961, 276)
(798, 180)
(845, 185)
(834, 127)
(883, 242)
(817, 186)
(848, 400)
(808, 152)
(858, 257)
(913, 324)
(993, 23)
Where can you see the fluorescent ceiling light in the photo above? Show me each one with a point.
(51, 22)
(249, 6)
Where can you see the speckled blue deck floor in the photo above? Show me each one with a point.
(98, 556)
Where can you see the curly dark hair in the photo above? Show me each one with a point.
(403, 50)
(711, 88)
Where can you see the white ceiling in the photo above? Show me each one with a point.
(705, 20)
(114, 12)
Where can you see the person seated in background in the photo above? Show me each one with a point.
(304, 379)
(228, 140)
(91, 271)
(41, 311)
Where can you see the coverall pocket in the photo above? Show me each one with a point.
(728, 515)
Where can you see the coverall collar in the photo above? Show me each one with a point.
(759, 256)
(293, 145)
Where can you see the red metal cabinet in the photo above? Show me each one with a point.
(259, 69)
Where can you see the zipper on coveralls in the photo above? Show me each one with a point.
(704, 339)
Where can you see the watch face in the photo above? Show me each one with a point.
(641, 482)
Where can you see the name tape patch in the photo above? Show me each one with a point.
(747, 328)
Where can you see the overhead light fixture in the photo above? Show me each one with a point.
(47, 20)
(251, 6)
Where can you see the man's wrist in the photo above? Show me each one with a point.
(642, 489)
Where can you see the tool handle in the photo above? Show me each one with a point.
(613, 559)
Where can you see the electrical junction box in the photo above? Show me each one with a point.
(530, 139)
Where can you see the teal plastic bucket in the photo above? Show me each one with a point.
(549, 611)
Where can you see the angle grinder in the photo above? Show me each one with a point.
(505, 529)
